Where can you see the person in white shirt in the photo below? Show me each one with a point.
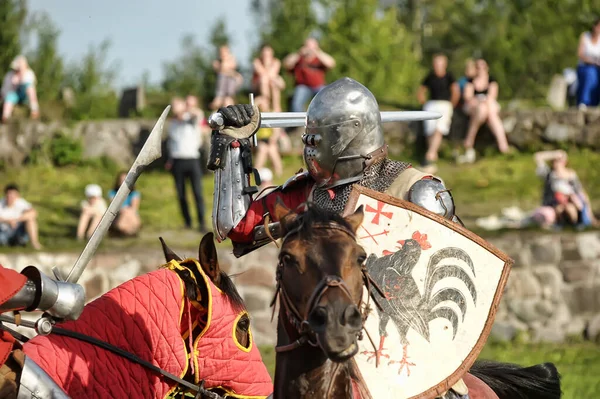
(18, 87)
(18, 219)
(92, 209)
(588, 69)
(183, 149)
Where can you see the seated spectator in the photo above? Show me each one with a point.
(266, 81)
(443, 97)
(588, 69)
(229, 79)
(308, 65)
(563, 192)
(268, 139)
(92, 209)
(18, 87)
(127, 222)
(18, 220)
(481, 104)
(470, 72)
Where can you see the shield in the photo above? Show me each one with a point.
(442, 285)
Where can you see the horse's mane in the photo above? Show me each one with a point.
(313, 216)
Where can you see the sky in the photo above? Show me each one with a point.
(145, 33)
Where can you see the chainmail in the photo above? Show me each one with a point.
(378, 177)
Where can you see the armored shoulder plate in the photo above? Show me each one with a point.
(298, 177)
(432, 195)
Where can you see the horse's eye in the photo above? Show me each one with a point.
(288, 260)
(244, 323)
(361, 259)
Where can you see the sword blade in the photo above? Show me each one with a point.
(150, 152)
(298, 119)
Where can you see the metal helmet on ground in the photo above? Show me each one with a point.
(343, 132)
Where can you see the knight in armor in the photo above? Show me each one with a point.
(343, 146)
(32, 290)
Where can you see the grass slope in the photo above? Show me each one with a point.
(480, 189)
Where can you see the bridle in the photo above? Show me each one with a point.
(306, 334)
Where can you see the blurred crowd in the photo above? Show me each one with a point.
(475, 95)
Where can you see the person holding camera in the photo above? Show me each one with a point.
(309, 65)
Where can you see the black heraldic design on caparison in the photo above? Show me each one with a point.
(405, 305)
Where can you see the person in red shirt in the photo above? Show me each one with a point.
(308, 65)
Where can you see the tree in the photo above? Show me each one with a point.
(372, 47)
(285, 24)
(192, 72)
(186, 74)
(12, 17)
(92, 80)
(44, 59)
(524, 41)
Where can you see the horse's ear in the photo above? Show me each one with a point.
(169, 254)
(356, 219)
(283, 214)
(208, 258)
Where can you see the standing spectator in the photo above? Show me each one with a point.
(92, 209)
(193, 108)
(128, 221)
(444, 94)
(18, 87)
(228, 78)
(308, 65)
(18, 219)
(268, 139)
(588, 70)
(266, 81)
(183, 148)
(481, 104)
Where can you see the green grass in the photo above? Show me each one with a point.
(492, 183)
(578, 363)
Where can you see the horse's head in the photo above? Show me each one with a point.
(209, 262)
(320, 279)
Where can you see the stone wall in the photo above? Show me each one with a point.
(255, 280)
(121, 139)
(553, 292)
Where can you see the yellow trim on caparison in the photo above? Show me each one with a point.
(230, 393)
(187, 355)
(233, 335)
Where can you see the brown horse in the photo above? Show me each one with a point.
(320, 278)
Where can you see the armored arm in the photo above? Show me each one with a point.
(231, 160)
(431, 194)
(60, 299)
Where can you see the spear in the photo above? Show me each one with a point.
(151, 151)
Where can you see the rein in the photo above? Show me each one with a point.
(199, 389)
(300, 323)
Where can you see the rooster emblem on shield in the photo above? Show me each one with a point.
(405, 305)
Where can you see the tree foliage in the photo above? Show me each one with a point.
(192, 72)
(12, 18)
(284, 24)
(92, 80)
(372, 48)
(44, 59)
